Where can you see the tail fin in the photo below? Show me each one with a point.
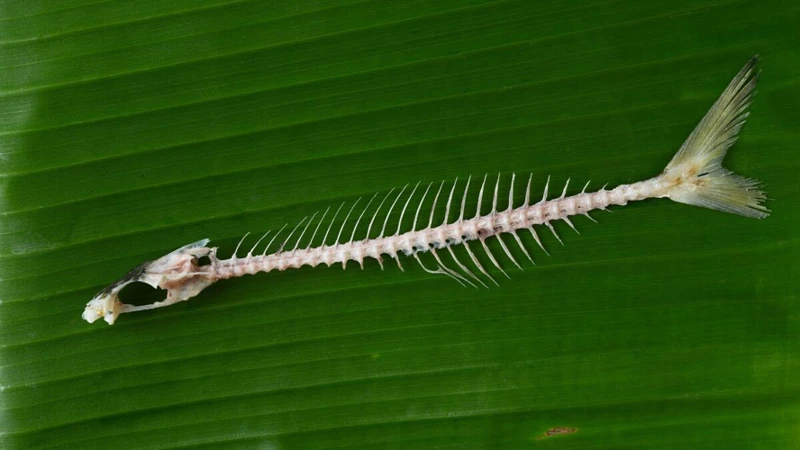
(696, 170)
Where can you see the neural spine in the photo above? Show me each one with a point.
(694, 176)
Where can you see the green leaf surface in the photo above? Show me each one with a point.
(130, 128)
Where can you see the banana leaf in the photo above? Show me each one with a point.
(131, 128)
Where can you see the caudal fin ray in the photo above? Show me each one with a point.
(696, 169)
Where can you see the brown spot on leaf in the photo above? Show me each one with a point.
(556, 431)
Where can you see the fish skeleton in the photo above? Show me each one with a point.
(694, 176)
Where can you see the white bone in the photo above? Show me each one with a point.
(511, 193)
(403, 213)
(569, 222)
(564, 192)
(440, 271)
(240, 244)
(321, 219)
(355, 227)
(333, 219)
(386, 220)
(477, 263)
(505, 249)
(290, 234)
(544, 196)
(538, 241)
(344, 222)
(433, 207)
(524, 250)
(464, 268)
(297, 244)
(450, 271)
(480, 197)
(549, 225)
(528, 192)
(419, 207)
(491, 258)
(494, 197)
(449, 202)
(250, 253)
(369, 228)
(273, 239)
(464, 201)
